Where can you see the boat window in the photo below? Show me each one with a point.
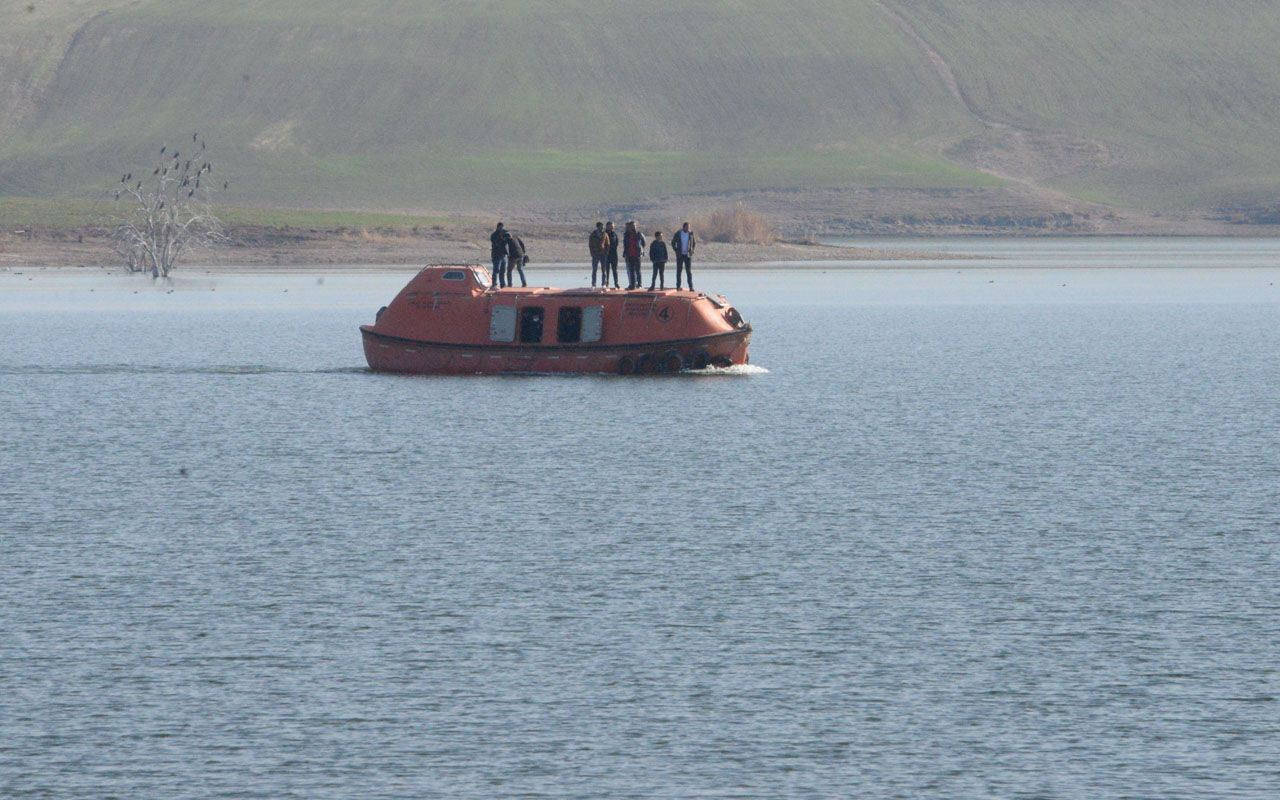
(592, 323)
(531, 324)
(481, 278)
(502, 324)
(455, 275)
(569, 328)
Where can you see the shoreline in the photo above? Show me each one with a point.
(556, 255)
(404, 252)
(295, 250)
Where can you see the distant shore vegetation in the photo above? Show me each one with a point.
(735, 224)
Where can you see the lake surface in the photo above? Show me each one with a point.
(1004, 528)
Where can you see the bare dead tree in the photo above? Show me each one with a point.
(170, 212)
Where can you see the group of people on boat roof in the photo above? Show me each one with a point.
(603, 245)
(508, 253)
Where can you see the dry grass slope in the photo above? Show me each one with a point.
(471, 104)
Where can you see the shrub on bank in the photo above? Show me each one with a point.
(736, 225)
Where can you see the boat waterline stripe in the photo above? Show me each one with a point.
(550, 348)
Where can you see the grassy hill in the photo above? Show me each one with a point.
(473, 104)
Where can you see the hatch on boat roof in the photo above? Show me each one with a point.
(456, 273)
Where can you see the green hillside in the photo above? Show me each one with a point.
(470, 104)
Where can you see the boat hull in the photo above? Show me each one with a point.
(393, 354)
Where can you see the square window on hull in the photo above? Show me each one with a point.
(531, 325)
(569, 326)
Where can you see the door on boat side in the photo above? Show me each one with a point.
(502, 324)
(592, 323)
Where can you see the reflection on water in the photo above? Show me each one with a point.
(966, 533)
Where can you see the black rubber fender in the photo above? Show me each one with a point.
(672, 361)
(701, 360)
(626, 365)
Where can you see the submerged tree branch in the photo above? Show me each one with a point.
(170, 212)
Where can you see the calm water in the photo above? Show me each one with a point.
(974, 533)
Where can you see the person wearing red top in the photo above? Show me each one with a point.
(633, 251)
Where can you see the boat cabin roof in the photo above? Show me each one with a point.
(473, 276)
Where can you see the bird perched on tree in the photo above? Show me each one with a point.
(225, 184)
(156, 172)
(162, 149)
(194, 136)
(123, 178)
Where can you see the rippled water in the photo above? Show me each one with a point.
(964, 533)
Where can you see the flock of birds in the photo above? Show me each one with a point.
(189, 181)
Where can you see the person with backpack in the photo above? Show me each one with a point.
(633, 251)
(516, 259)
(611, 253)
(598, 245)
(658, 255)
(498, 252)
(683, 243)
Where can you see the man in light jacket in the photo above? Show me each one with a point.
(683, 243)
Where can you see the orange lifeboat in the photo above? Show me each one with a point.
(450, 320)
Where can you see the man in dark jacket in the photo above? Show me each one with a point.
(598, 244)
(516, 259)
(498, 252)
(683, 243)
(611, 255)
(658, 255)
(633, 251)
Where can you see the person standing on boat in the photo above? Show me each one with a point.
(683, 243)
(516, 259)
(658, 255)
(598, 244)
(633, 251)
(498, 252)
(611, 253)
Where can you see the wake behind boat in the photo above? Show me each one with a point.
(450, 320)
